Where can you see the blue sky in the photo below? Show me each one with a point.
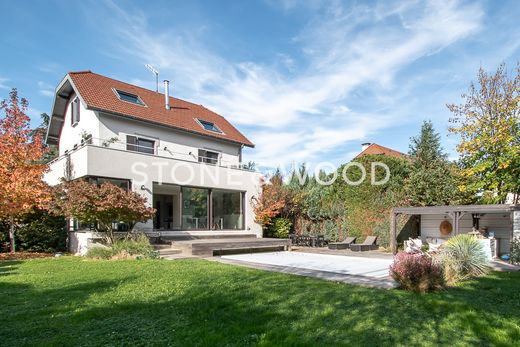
(305, 81)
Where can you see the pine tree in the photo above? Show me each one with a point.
(432, 181)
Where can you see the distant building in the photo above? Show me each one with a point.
(368, 148)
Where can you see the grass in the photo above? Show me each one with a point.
(71, 301)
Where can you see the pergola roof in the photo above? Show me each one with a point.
(456, 208)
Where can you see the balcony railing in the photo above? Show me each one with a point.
(159, 151)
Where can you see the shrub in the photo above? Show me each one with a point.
(100, 252)
(131, 247)
(417, 272)
(37, 231)
(463, 257)
(515, 251)
(135, 246)
(280, 227)
(42, 232)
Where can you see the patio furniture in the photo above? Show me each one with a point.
(368, 245)
(345, 244)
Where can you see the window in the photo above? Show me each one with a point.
(195, 208)
(129, 97)
(74, 116)
(227, 210)
(121, 183)
(208, 157)
(138, 144)
(209, 126)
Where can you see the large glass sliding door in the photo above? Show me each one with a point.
(195, 208)
(227, 210)
(215, 209)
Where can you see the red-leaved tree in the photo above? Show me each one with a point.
(21, 172)
(100, 206)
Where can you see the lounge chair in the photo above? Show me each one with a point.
(368, 245)
(345, 244)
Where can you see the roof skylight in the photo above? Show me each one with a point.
(129, 97)
(209, 126)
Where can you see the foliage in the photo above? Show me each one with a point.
(280, 228)
(125, 302)
(21, 172)
(40, 231)
(488, 126)
(100, 252)
(417, 272)
(432, 177)
(132, 247)
(271, 201)
(463, 257)
(515, 250)
(367, 206)
(100, 205)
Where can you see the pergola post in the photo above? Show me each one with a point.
(393, 231)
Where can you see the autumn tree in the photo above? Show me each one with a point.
(271, 201)
(100, 205)
(21, 171)
(432, 180)
(487, 123)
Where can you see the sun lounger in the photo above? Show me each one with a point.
(368, 245)
(345, 244)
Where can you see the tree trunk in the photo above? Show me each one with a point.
(11, 235)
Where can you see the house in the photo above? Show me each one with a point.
(368, 148)
(498, 224)
(184, 158)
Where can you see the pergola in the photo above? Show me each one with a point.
(456, 212)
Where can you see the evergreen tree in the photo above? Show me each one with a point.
(432, 180)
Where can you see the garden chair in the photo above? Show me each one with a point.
(368, 245)
(345, 244)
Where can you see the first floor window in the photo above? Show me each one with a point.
(139, 144)
(209, 157)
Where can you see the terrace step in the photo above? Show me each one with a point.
(211, 247)
(169, 251)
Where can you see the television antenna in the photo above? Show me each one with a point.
(156, 73)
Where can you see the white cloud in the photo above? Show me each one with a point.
(46, 89)
(302, 116)
(2, 83)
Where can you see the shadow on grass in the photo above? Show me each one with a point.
(7, 267)
(202, 303)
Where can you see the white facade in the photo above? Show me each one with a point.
(97, 146)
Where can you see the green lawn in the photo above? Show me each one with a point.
(72, 301)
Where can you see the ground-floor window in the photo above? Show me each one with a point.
(201, 208)
(227, 210)
(194, 208)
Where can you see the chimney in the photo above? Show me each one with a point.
(167, 94)
(365, 146)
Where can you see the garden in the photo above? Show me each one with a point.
(71, 300)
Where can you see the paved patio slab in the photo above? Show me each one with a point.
(371, 272)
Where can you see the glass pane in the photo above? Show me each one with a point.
(194, 208)
(208, 157)
(227, 210)
(146, 146)
(209, 126)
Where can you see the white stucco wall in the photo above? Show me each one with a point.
(179, 144)
(143, 170)
(499, 223)
(71, 135)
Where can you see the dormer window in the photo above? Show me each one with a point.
(129, 97)
(209, 126)
(74, 115)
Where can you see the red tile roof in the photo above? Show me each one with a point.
(97, 92)
(374, 149)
